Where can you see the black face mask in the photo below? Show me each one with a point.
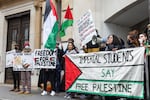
(16, 48)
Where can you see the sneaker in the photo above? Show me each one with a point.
(27, 92)
(68, 97)
(82, 96)
(12, 90)
(65, 96)
(44, 93)
(52, 93)
(17, 90)
(21, 92)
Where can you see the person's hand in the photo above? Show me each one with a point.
(26, 65)
(141, 42)
(64, 55)
(60, 46)
(84, 46)
(128, 37)
(114, 49)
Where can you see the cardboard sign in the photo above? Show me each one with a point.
(44, 58)
(20, 60)
(86, 27)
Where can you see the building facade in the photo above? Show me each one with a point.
(113, 16)
(21, 20)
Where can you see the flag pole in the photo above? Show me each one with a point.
(147, 70)
(148, 26)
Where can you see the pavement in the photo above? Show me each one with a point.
(5, 94)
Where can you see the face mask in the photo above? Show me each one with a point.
(16, 48)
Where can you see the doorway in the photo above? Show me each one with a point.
(17, 32)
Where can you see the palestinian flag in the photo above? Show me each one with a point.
(50, 29)
(68, 21)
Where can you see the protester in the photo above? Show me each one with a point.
(26, 75)
(52, 76)
(112, 44)
(41, 79)
(16, 74)
(92, 46)
(75, 48)
(122, 43)
(49, 77)
(71, 49)
(143, 39)
(132, 39)
(143, 43)
(48, 80)
(59, 67)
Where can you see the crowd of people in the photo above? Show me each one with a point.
(52, 81)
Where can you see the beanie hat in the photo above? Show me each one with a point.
(26, 44)
(16, 44)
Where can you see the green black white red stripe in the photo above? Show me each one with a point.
(50, 27)
(68, 21)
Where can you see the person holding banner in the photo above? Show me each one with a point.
(48, 78)
(75, 48)
(112, 44)
(71, 49)
(41, 79)
(26, 74)
(92, 46)
(59, 67)
(132, 39)
(16, 74)
(143, 40)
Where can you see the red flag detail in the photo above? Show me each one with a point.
(53, 9)
(68, 14)
(71, 74)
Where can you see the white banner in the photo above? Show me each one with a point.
(86, 27)
(44, 58)
(111, 73)
(21, 59)
(9, 58)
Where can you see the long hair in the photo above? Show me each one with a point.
(116, 40)
(133, 38)
(72, 45)
(115, 44)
